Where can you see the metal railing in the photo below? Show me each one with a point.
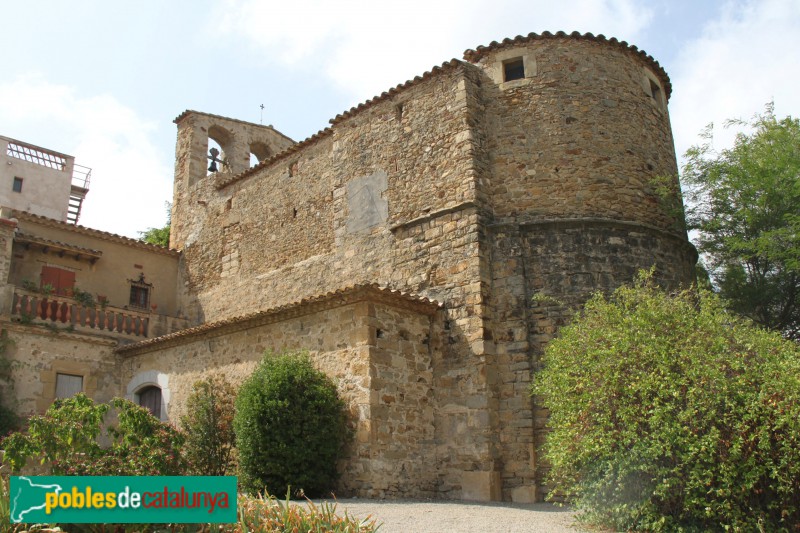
(80, 176)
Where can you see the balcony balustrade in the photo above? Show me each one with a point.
(57, 310)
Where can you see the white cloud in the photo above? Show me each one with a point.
(129, 183)
(742, 61)
(366, 47)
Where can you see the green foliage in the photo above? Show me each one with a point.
(67, 439)
(208, 425)
(85, 298)
(291, 427)
(266, 514)
(158, 236)
(9, 421)
(744, 203)
(29, 285)
(670, 414)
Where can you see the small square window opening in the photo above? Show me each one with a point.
(513, 69)
(68, 385)
(17, 187)
(655, 90)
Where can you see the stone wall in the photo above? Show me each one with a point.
(38, 354)
(581, 135)
(376, 349)
(463, 187)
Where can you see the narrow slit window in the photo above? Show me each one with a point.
(513, 69)
(17, 187)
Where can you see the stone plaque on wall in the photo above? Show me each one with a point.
(366, 205)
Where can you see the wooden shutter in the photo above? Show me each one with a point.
(68, 385)
(63, 281)
(151, 399)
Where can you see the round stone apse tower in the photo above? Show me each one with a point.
(581, 185)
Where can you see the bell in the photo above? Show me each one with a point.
(213, 157)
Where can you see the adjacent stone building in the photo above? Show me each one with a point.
(424, 248)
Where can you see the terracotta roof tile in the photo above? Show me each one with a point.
(475, 55)
(305, 306)
(75, 228)
(224, 182)
(23, 237)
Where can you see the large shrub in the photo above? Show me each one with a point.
(67, 439)
(208, 424)
(669, 414)
(291, 427)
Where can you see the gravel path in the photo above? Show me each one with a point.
(457, 517)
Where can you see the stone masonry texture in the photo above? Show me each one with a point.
(424, 249)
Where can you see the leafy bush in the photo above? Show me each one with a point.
(66, 438)
(208, 425)
(85, 298)
(268, 514)
(9, 421)
(291, 427)
(669, 414)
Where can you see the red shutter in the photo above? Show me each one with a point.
(63, 281)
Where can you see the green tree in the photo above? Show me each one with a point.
(208, 424)
(744, 203)
(291, 427)
(158, 236)
(72, 438)
(669, 413)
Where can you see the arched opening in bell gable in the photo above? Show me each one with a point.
(219, 149)
(259, 151)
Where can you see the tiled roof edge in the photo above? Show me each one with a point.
(222, 183)
(24, 215)
(24, 237)
(475, 55)
(302, 307)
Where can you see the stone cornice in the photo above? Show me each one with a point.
(347, 296)
(188, 112)
(599, 221)
(61, 334)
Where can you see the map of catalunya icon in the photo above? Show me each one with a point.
(29, 498)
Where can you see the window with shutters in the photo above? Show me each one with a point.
(150, 398)
(68, 385)
(140, 293)
(61, 280)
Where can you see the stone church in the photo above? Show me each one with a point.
(424, 247)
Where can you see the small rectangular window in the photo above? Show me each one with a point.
(140, 296)
(68, 385)
(655, 91)
(17, 187)
(513, 69)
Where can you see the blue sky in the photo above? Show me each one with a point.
(103, 80)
